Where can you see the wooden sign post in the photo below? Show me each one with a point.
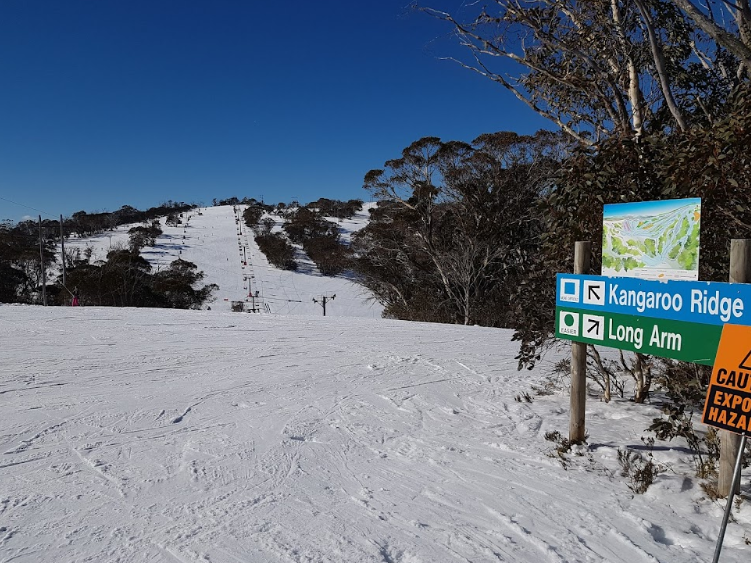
(577, 429)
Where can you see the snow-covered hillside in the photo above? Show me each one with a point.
(137, 435)
(224, 249)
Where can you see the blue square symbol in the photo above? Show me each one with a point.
(569, 290)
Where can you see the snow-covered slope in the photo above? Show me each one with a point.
(224, 249)
(137, 435)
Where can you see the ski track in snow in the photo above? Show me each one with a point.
(318, 440)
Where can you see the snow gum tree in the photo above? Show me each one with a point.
(606, 67)
(461, 221)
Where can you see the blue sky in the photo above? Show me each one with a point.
(113, 102)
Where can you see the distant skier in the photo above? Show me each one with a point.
(75, 303)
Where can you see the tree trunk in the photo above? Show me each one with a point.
(723, 38)
(634, 91)
(606, 396)
(643, 376)
(659, 60)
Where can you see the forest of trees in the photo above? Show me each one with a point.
(306, 226)
(456, 226)
(125, 278)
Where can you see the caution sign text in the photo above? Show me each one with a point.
(728, 403)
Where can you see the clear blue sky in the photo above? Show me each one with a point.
(111, 102)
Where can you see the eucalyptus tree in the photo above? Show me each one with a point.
(460, 221)
(598, 68)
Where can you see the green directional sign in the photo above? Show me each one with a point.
(680, 340)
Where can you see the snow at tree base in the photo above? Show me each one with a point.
(154, 435)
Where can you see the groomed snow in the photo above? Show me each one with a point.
(138, 435)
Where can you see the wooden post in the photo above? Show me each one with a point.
(740, 272)
(577, 424)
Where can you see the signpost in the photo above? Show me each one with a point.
(649, 244)
(714, 303)
(728, 403)
(700, 322)
(675, 319)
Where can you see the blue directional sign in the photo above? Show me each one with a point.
(714, 303)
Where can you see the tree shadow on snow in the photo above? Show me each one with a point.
(644, 448)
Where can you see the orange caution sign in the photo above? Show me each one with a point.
(728, 403)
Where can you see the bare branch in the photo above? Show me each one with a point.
(732, 43)
(659, 59)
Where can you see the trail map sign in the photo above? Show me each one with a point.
(728, 403)
(652, 239)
